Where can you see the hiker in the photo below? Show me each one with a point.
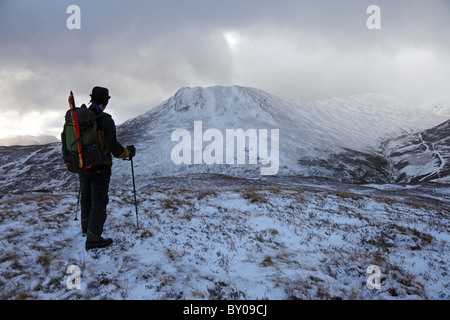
(95, 185)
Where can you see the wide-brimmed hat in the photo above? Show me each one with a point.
(100, 93)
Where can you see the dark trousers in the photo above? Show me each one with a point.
(94, 199)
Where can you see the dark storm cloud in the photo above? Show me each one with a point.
(146, 50)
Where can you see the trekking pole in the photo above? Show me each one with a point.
(134, 190)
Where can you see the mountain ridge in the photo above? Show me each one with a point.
(355, 139)
(27, 140)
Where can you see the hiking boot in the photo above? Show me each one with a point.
(100, 243)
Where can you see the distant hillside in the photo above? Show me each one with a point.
(27, 140)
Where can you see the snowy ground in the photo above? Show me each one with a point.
(233, 239)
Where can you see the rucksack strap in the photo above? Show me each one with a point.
(80, 139)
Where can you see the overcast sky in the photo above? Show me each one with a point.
(144, 51)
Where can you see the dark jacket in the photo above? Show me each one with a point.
(106, 133)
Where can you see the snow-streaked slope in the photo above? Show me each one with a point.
(252, 240)
(423, 156)
(27, 168)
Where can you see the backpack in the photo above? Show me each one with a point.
(91, 153)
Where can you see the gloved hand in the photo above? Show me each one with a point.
(131, 150)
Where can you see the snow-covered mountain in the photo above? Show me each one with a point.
(341, 138)
(351, 139)
(27, 140)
